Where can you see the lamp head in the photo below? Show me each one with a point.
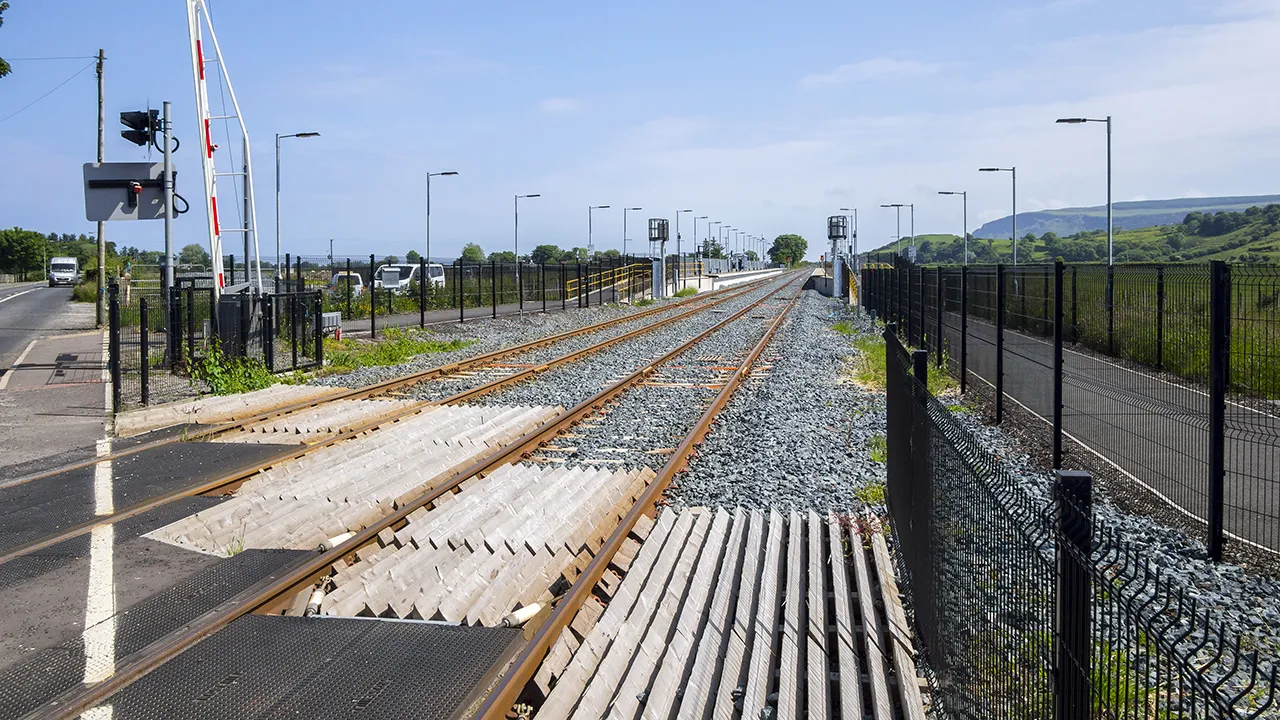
(1072, 121)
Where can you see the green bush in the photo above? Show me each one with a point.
(686, 292)
(844, 327)
(229, 375)
(85, 292)
(643, 302)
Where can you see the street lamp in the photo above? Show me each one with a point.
(1110, 236)
(898, 207)
(429, 176)
(624, 227)
(964, 194)
(591, 247)
(517, 234)
(1014, 171)
(679, 256)
(853, 246)
(280, 137)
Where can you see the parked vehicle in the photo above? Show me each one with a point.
(343, 279)
(63, 271)
(406, 274)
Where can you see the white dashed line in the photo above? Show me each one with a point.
(100, 605)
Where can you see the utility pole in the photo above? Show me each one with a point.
(168, 208)
(102, 242)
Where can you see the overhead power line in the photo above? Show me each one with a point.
(52, 91)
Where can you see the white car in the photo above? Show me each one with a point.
(343, 279)
(406, 274)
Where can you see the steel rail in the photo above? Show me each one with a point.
(229, 482)
(513, 682)
(367, 391)
(72, 703)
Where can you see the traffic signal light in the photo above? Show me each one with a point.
(143, 125)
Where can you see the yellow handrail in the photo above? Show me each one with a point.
(608, 278)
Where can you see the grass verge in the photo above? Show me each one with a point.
(686, 292)
(394, 347)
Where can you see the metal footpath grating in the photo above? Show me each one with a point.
(59, 669)
(319, 668)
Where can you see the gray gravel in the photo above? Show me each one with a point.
(490, 335)
(574, 382)
(651, 419)
(798, 438)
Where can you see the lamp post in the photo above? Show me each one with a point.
(898, 207)
(695, 232)
(517, 233)
(853, 241)
(679, 256)
(591, 246)
(964, 195)
(1110, 235)
(429, 176)
(709, 224)
(626, 210)
(280, 137)
(1014, 171)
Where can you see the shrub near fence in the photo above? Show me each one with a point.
(1029, 606)
(1204, 438)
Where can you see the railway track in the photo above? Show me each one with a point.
(323, 423)
(291, 592)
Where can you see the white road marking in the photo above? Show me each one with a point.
(100, 603)
(4, 379)
(17, 294)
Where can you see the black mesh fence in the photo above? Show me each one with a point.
(1028, 604)
(1171, 372)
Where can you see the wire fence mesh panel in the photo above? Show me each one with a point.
(1252, 416)
(1028, 337)
(1031, 605)
(981, 343)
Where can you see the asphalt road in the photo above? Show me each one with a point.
(1155, 430)
(53, 404)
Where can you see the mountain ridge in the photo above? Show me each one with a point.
(1127, 215)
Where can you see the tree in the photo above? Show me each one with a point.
(193, 255)
(788, 250)
(503, 256)
(608, 254)
(712, 249)
(4, 66)
(412, 257)
(752, 256)
(576, 255)
(546, 254)
(472, 253)
(391, 260)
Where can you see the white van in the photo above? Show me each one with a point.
(407, 273)
(63, 271)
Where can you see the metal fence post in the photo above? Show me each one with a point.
(319, 323)
(373, 302)
(1000, 343)
(542, 279)
(1160, 317)
(578, 276)
(293, 329)
(462, 299)
(922, 328)
(269, 331)
(144, 343)
(1219, 374)
(350, 288)
(964, 329)
(564, 288)
(920, 366)
(941, 300)
(233, 270)
(910, 315)
(1073, 637)
(299, 282)
(1058, 269)
(422, 292)
(113, 343)
(1075, 326)
(288, 265)
(1111, 310)
(493, 285)
(191, 324)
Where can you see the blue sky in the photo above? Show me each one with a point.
(765, 116)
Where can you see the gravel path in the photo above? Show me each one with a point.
(798, 437)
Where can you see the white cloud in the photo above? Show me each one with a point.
(874, 69)
(560, 105)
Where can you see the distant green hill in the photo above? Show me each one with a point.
(1251, 235)
(1128, 215)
